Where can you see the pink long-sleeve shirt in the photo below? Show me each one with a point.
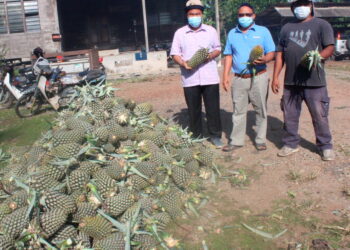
(186, 43)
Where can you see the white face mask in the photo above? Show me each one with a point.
(302, 12)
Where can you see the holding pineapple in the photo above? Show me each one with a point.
(248, 48)
(194, 48)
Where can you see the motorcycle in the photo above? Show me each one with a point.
(55, 88)
(13, 86)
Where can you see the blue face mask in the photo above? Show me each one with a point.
(302, 12)
(245, 21)
(195, 21)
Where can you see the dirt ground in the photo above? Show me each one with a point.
(315, 193)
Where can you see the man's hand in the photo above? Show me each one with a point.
(185, 65)
(226, 83)
(260, 61)
(275, 86)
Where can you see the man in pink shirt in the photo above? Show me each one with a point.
(203, 81)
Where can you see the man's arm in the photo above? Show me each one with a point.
(327, 52)
(214, 55)
(227, 72)
(279, 63)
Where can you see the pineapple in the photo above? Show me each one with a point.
(55, 199)
(102, 133)
(312, 60)
(13, 224)
(106, 186)
(161, 219)
(146, 241)
(116, 205)
(89, 167)
(84, 240)
(184, 154)
(71, 136)
(171, 202)
(78, 180)
(174, 140)
(108, 103)
(148, 146)
(156, 137)
(114, 241)
(4, 210)
(52, 220)
(180, 176)
(75, 123)
(42, 181)
(96, 227)
(130, 213)
(205, 156)
(148, 169)
(143, 109)
(137, 182)
(84, 209)
(66, 151)
(53, 172)
(65, 233)
(192, 167)
(200, 57)
(161, 159)
(6, 242)
(115, 170)
(148, 204)
(118, 131)
(256, 53)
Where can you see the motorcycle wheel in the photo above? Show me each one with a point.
(6, 98)
(67, 96)
(27, 106)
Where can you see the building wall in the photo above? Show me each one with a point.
(21, 44)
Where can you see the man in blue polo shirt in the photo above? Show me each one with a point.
(249, 86)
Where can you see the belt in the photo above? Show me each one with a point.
(245, 76)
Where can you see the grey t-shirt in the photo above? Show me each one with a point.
(296, 39)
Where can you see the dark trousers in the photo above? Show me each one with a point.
(211, 97)
(317, 101)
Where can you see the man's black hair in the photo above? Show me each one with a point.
(247, 5)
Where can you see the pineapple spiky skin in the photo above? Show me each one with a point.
(17, 200)
(174, 140)
(6, 242)
(148, 169)
(146, 241)
(184, 154)
(161, 219)
(205, 156)
(78, 180)
(116, 205)
(53, 172)
(137, 182)
(75, 123)
(66, 151)
(96, 227)
(148, 204)
(52, 220)
(200, 57)
(130, 213)
(71, 136)
(84, 209)
(115, 171)
(256, 53)
(143, 109)
(114, 241)
(102, 133)
(13, 224)
(65, 233)
(84, 240)
(4, 210)
(193, 167)
(55, 199)
(89, 167)
(118, 131)
(42, 182)
(148, 146)
(161, 158)
(171, 202)
(106, 186)
(155, 137)
(180, 176)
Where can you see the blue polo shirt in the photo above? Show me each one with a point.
(240, 44)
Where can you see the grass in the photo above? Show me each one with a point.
(16, 131)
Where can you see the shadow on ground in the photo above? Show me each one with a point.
(274, 131)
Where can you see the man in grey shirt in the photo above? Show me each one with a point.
(301, 84)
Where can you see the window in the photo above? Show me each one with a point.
(17, 16)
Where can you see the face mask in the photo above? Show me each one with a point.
(195, 21)
(245, 21)
(302, 12)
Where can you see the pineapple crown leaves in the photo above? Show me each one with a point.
(135, 171)
(93, 189)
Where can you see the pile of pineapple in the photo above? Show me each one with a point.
(109, 175)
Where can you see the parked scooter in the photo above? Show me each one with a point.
(55, 88)
(13, 86)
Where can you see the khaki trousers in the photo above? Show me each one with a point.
(245, 91)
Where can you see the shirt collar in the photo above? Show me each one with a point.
(238, 30)
(202, 28)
